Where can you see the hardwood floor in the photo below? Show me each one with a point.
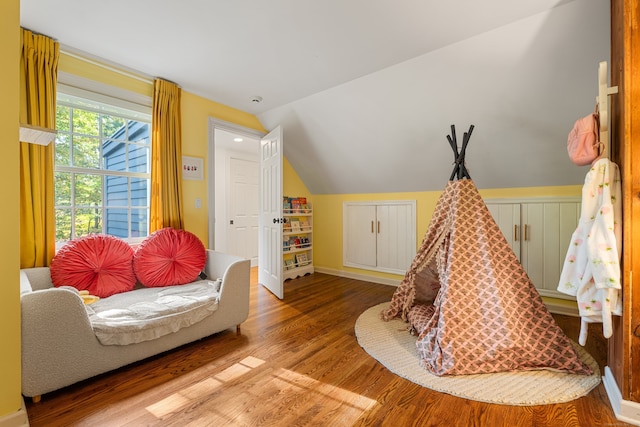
(296, 363)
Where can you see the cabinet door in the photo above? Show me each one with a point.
(507, 216)
(534, 249)
(547, 233)
(359, 235)
(396, 237)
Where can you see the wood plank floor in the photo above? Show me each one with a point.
(296, 363)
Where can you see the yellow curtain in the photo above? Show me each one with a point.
(166, 158)
(38, 79)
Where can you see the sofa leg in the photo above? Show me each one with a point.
(237, 329)
(37, 398)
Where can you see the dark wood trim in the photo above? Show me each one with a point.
(624, 346)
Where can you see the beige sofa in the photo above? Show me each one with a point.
(60, 348)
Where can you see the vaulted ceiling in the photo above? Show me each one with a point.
(366, 90)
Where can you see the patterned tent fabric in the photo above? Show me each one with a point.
(487, 316)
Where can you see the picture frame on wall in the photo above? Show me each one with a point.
(192, 168)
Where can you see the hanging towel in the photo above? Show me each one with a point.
(591, 270)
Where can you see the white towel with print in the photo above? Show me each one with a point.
(591, 270)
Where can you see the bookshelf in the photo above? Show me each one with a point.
(297, 238)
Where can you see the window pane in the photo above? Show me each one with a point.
(88, 221)
(114, 128)
(116, 191)
(115, 155)
(139, 192)
(62, 189)
(88, 190)
(86, 122)
(63, 149)
(117, 222)
(139, 222)
(63, 224)
(139, 132)
(62, 119)
(139, 158)
(86, 152)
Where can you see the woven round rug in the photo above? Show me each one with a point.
(391, 344)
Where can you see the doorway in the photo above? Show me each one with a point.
(233, 194)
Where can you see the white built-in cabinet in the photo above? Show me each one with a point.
(539, 232)
(379, 236)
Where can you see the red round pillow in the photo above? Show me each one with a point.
(98, 263)
(169, 257)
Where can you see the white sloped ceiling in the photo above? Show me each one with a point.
(522, 85)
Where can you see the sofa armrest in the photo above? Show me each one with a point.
(218, 262)
(38, 277)
(55, 329)
(234, 291)
(50, 314)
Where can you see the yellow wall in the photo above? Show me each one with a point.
(327, 216)
(195, 118)
(292, 185)
(10, 398)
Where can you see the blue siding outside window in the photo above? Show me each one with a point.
(122, 192)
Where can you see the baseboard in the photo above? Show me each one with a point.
(358, 276)
(624, 410)
(561, 309)
(16, 419)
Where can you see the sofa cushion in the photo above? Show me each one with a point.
(99, 263)
(169, 257)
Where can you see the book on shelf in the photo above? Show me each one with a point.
(285, 245)
(301, 259)
(295, 226)
(289, 264)
(304, 226)
(299, 204)
(286, 227)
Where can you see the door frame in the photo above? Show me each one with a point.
(212, 125)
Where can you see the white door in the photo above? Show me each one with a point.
(396, 236)
(243, 209)
(270, 217)
(359, 235)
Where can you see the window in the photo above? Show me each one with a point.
(102, 169)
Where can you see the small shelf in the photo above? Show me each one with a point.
(291, 250)
(299, 212)
(305, 231)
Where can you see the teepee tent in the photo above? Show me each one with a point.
(468, 298)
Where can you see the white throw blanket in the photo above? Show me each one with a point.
(149, 313)
(591, 270)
